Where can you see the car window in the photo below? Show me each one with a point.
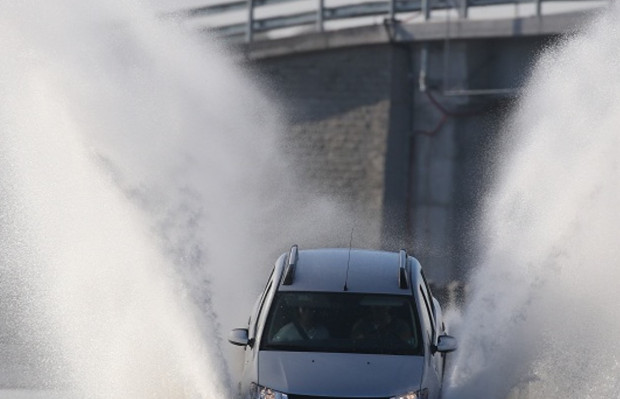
(427, 314)
(429, 292)
(259, 308)
(342, 322)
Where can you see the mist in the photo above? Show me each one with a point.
(145, 196)
(542, 314)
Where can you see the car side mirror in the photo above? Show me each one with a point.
(445, 344)
(239, 337)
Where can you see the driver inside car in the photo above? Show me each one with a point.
(379, 323)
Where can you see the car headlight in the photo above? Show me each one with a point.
(423, 394)
(260, 392)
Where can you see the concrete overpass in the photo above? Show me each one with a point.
(400, 118)
(397, 32)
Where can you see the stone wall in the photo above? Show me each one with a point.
(338, 103)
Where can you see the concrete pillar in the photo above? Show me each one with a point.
(434, 162)
(396, 180)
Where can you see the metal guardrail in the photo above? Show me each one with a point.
(322, 14)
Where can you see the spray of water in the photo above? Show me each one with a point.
(542, 320)
(144, 192)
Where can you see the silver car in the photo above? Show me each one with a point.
(344, 323)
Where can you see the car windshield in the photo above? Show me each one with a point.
(342, 322)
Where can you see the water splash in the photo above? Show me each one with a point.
(542, 318)
(143, 195)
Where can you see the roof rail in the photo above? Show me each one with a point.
(289, 272)
(403, 277)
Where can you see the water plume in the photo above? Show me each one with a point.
(144, 197)
(542, 316)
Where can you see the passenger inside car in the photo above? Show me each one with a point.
(304, 325)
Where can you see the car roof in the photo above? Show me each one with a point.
(367, 271)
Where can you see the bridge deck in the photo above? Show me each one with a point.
(411, 32)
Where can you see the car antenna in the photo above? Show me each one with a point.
(346, 277)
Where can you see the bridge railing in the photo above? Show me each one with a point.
(247, 21)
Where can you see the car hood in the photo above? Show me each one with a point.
(340, 374)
